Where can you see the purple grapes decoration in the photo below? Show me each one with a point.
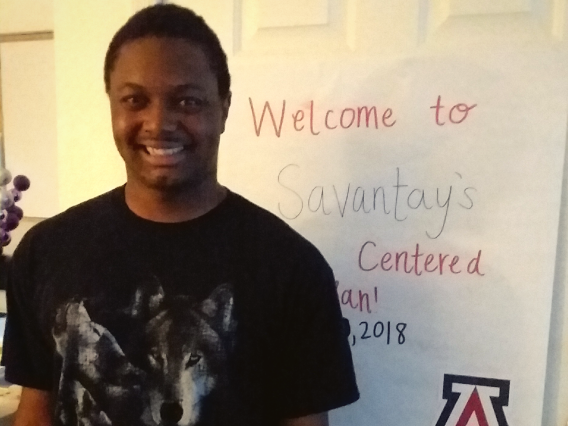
(10, 213)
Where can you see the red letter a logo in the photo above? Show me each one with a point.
(473, 406)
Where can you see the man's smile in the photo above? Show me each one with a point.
(164, 155)
(164, 151)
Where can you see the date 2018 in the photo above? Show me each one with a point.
(389, 332)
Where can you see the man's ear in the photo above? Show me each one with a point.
(228, 101)
(226, 105)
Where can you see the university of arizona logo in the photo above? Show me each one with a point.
(474, 401)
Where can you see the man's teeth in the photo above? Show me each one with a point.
(164, 151)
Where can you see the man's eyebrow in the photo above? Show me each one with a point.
(187, 86)
(178, 88)
(130, 86)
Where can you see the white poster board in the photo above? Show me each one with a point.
(432, 186)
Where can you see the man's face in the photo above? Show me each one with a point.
(167, 115)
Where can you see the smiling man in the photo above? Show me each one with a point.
(172, 300)
(168, 114)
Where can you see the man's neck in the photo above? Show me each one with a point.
(173, 206)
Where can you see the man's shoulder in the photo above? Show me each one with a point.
(77, 220)
(270, 232)
(254, 217)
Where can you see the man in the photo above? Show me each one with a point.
(171, 300)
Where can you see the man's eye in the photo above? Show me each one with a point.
(190, 102)
(134, 101)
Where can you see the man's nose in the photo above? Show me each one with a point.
(160, 118)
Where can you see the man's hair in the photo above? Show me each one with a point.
(169, 20)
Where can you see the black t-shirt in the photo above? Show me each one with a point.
(228, 319)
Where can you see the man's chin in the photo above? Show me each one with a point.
(166, 183)
(171, 184)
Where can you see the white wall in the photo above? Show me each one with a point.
(28, 101)
(556, 396)
(87, 158)
(28, 98)
(18, 16)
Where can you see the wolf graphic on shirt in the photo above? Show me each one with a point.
(185, 351)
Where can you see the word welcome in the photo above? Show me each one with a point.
(416, 262)
(398, 200)
(315, 120)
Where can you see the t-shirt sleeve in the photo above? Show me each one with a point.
(317, 371)
(25, 352)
